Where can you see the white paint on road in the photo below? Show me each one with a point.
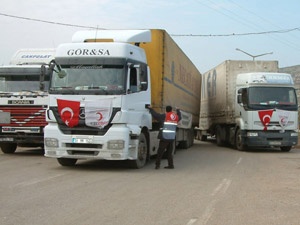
(239, 161)
(222, 187)
(35, 181)
(192, 221)
(217, 194)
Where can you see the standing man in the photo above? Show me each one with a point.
(167, 133)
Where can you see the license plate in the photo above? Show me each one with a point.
(6, 139)
(275, 143)
(81, 140)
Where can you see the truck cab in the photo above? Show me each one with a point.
(23, 99)
(98, 92)
(266, 111)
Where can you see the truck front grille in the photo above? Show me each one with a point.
(25, 116)
(79, 145)
(81, 153)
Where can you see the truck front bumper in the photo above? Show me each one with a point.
(116, 144)
(22, 138)
(270, 138)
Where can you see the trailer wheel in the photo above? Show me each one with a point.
(8, 148)
(66, 161)
(203, 137)
(189, 140)
(142, 153)
(219, 136)
(238, 141)
(286, 148)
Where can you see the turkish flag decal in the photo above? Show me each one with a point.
(69, 111)
(265, 117)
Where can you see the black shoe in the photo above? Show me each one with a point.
(169, 167)
(157, 167)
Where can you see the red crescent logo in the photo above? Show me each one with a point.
(173, 116)
(100, 116)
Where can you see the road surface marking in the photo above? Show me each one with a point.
(239, 161)
(210, 208)
(192, 221)
(35, 181)
(222, 187)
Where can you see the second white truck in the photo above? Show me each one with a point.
(249, 104)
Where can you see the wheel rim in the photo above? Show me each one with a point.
(238, 140)
(142, 148)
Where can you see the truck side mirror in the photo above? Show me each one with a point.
(239, 99)
(239, 96)
(144, 85)
(42, 77)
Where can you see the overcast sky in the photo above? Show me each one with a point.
(207, 26)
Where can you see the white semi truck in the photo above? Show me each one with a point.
(100, 87)
(24, 99)
(248, 104)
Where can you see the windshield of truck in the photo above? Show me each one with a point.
(88, 79)
(272, 97)
(19, 83)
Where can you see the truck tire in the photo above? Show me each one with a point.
(8, 148)
(286, 148)
(142, 154)
(219, 140)
(66, 161)
(188, 142)
(238, 141)
(203, 137)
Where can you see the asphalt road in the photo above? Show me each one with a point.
(210, 185)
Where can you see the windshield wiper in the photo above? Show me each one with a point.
(5, 94)
(60, 88)
(30, 91)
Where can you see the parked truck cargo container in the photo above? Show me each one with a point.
(242, 104)
(99, 90)
(24, 99)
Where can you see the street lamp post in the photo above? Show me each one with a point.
(253, 56)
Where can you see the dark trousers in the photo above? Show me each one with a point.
(165, 145)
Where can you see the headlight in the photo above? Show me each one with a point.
(51, 142)
(115, 144)
(252, 134)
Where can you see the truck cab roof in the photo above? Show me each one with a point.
(32, 56)
(264, 78)
(91, 51)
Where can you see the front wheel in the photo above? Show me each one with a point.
(141, 154)
(8, 148)
(239, 141)
(66, 161)
(286, 148)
